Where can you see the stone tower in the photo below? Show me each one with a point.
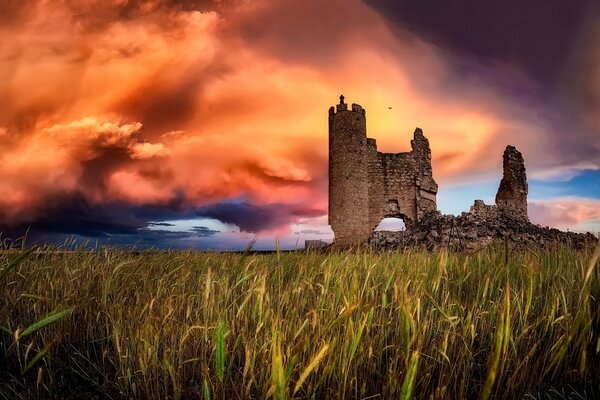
(366, 185)
(348, 174)
(512, 193)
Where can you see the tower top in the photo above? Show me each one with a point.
(342, 106)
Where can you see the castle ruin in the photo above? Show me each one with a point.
(366, 186)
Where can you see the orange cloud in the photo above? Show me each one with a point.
(144, 151)
(146, 102)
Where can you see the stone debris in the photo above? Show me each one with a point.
(477, 229)
(315, 244)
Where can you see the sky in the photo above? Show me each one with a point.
(176, 123)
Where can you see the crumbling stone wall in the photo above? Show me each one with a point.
(366, 185)
(483, 224)
(511, 198)
(512, 193)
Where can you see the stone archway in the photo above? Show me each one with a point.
(391, 211)
(391, 224)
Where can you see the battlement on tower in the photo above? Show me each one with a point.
(342, 106)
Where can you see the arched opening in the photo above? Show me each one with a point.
(391, 224)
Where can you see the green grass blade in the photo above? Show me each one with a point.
(47, 320)
(494, 360)
(408, 384)
(356, 339)
(206, 389)
(220, 349)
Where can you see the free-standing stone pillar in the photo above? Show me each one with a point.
(512, 193)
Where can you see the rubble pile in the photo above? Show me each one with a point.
(476, 229)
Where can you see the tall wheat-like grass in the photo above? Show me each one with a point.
(185, 324)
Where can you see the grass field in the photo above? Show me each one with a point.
(185, 324)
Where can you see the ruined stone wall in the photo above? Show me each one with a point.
(401, 184)
(512, 193)
(485, 224)
(396, 192)
(511, 199)
(426, 187)
(376, 185)
(366, 186)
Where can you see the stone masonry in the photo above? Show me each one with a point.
(366, 185)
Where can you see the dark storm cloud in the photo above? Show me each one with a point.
(116, 223)
(158, 238)
(257, 217)
(540, 37)
(73, 214)
(203, 231)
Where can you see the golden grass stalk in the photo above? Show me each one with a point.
(220, 351)
(277, 370)
(499, 347)
(310, 367)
